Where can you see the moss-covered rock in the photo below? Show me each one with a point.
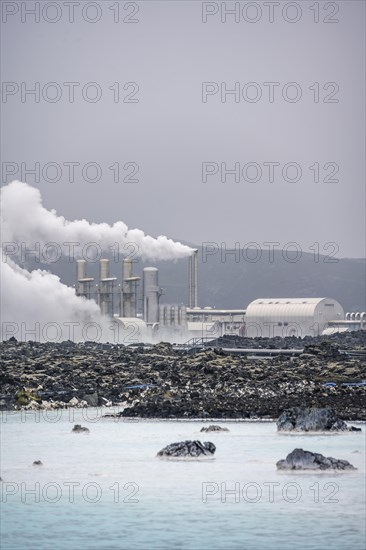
(25, 396)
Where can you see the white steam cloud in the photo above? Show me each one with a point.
(26, 220)
(36, 305)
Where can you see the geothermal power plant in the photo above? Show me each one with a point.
(135, 305)
(135, 302)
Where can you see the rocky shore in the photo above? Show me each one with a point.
(163, 382)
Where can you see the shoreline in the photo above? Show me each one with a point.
(162, 383)
(193, 420)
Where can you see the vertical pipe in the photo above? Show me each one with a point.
(128, 289)
(195, 278)
(190, 301)
(104, 291)
(183, 316)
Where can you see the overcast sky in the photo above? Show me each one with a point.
(169, 132)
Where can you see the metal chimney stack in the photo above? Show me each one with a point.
(193, 279)
(106, 288)
(129, 290)
(81, 269)
(104, 269)
(83, 282)
(151, 295)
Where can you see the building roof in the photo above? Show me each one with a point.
(289, 307)
(268, 301)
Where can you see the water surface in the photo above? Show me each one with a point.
(107, 490)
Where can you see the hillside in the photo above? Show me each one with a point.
(230, 284)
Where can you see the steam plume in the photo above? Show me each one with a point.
(32, 301)
(26, 220)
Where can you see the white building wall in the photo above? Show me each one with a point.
(283, 317)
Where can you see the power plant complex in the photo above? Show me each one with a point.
(155, 321)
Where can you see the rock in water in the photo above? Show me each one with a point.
(305, 419)
(37, 463)
(78, 429)
(188, 448)
(306, 460)
(214, 428)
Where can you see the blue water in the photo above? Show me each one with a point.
(126, 498)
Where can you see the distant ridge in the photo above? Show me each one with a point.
(228, 284)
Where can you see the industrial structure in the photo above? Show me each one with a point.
(106, 289)
(210, 321)
(83, 282)
(144, 318)
(121, 302)
(151, 295)
(193, 279)
(283, 317)
(129, 290)
(353, 321)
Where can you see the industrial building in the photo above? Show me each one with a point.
(153, 321)
(210, 321)
(270, 317)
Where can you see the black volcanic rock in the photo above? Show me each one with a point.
(78, 429)
(305, 419)
(91, 399)
(188, 449)
(161, 381)
(306, 460)
(214, 428)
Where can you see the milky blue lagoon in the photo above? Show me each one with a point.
(107, 490)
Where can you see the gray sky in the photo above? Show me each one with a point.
(170, 131)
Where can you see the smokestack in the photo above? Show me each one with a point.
(151, 295)
(83, 282)
(193, 279)
(104, 269)
(106, 288)
(129, 302)
(195, 275)
(81, 269)
(127, 268)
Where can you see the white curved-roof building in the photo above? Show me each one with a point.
(270, 317)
